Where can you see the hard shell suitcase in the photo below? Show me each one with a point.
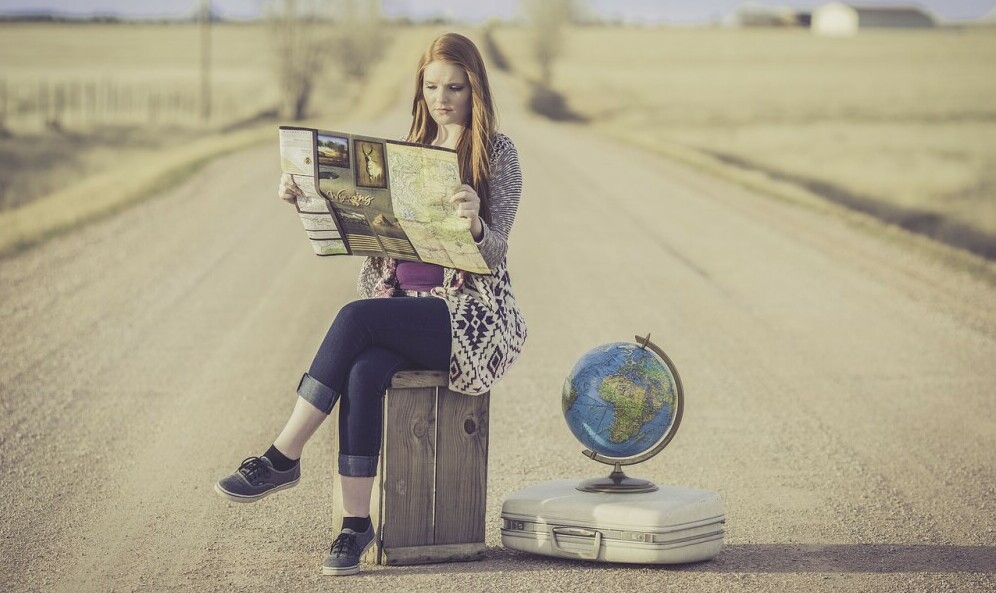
(669, 526)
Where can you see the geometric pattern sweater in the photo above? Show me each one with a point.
(487, 328)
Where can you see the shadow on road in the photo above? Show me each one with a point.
(870, 558)
(754, 558)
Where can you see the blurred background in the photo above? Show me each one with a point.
(711, 171)
(886, 107)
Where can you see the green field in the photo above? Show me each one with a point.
(901, 124)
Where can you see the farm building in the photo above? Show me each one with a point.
(841, 19)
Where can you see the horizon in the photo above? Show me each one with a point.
(627, 11)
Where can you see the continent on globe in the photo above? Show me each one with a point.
(635, 404)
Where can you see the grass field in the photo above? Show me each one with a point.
(56, 179)
(139, 63)
(136, 62)
(901, 124)
(140, 60)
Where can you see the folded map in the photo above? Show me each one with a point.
(373, 196)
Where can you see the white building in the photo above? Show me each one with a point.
(835, 19)
(842, 19)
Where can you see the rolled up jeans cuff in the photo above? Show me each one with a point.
(317, 394)
(357, 466)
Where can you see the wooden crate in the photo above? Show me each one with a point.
(429, 502)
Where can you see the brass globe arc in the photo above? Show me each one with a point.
(617, 481)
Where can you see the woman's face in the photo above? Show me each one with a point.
(447, 93)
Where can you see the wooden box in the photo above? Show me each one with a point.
(428, 503)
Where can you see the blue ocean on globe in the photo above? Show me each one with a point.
(619, 399)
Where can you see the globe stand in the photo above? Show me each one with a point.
(617, 483)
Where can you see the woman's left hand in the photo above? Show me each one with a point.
(468, 205)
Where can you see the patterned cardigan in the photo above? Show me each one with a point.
(487, 327)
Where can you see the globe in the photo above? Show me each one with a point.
(623, 401)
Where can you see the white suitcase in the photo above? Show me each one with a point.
(668, 526)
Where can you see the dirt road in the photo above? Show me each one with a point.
(839, 387)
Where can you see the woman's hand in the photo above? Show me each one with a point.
(288, 191)
(468, 205)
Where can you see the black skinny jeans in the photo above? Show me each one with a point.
(369, 341)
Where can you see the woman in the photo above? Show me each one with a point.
(445, 319)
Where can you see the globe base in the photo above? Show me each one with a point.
(617, 483)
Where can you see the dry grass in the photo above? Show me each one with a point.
(899, 121)
(103, 193)
(37, 164)
(55, 181)
(142, 58)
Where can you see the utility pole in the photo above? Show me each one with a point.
(205, 60)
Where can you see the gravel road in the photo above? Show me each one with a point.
(839, 386)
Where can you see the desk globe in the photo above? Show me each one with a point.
(623, 401)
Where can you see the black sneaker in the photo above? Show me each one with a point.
(256, 478)
(344, 557)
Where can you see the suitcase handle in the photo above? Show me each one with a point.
(579, 532)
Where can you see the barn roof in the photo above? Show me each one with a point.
(890, 10)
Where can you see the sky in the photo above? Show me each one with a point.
(655, 11)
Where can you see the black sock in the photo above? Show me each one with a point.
(280, 462)
(357, 524)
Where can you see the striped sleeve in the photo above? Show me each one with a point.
(506, 190)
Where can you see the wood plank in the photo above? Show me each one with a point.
(414, 379)
(461, 467)
(435, 553)
(375, 555)
(409, 468)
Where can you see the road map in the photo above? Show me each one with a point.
(371, 196)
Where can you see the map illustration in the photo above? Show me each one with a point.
(421, 184)
(372, 196)
(619, 399)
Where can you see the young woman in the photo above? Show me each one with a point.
(439, 318)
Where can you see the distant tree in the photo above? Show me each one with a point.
(309, 32)
(296, 40)
(548, 18)
(358, 47)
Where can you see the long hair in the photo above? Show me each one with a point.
(472, 146)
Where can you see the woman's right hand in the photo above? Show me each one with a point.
(288, 191)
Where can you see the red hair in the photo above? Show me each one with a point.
(472, 146)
